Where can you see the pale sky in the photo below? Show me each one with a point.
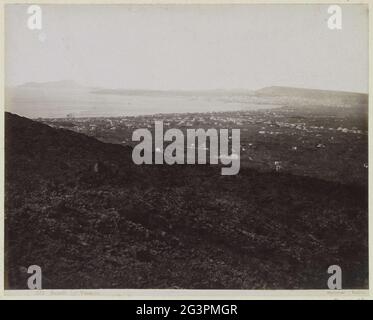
(189, 47)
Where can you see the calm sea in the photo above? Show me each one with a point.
(59, 102)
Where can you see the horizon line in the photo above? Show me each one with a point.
(77, 84)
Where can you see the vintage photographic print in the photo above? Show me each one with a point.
(186, 146)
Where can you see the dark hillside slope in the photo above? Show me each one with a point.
(90, 218)
(42, 150)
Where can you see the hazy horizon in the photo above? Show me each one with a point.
(70, 81)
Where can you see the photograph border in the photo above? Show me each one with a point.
(177, 294)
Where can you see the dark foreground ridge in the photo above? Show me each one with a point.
(90, 218)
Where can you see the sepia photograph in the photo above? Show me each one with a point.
(186, 146)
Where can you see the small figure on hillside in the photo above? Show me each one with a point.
(98, 167)
(278, 166)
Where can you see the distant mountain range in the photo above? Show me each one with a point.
(269, 91)
(315, 95)
(59, 98)
(309, 93)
